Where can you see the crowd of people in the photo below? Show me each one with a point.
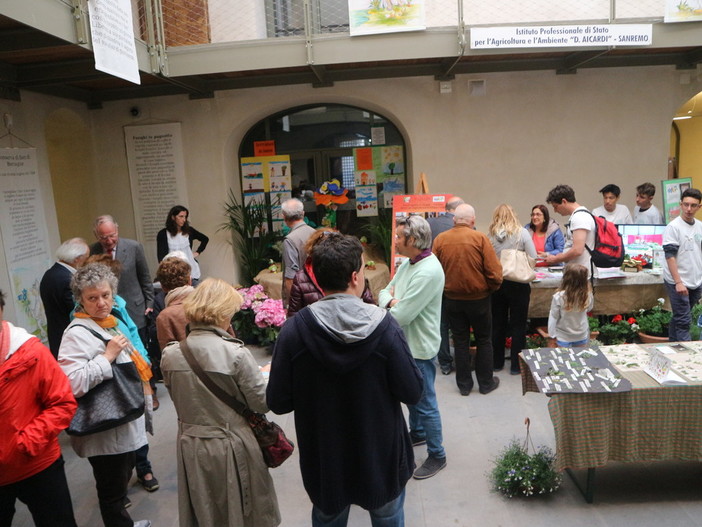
(340, 355)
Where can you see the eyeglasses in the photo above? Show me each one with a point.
(690, 205)
(106, 237)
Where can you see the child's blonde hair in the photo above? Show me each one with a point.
(575, 287)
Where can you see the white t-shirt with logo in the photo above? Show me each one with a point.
(650, 216)
(618, 216)
(688, 239)
(576, 222)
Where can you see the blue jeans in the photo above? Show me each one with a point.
(679, 328)
(143, 465)
(392, 514)
(576, 344)
(424, 418)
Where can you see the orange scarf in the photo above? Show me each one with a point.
(110, 322)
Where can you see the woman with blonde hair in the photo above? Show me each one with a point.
(510, 303)
(222, 477)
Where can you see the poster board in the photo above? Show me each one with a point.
(428, 205)
(267, 180)
(379, 174)
(672, 190)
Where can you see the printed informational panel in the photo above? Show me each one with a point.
(25, 237)
(157, 178)
(112, 35)
(428, 205)
(672, 192)
(683, 11)
(561, 36)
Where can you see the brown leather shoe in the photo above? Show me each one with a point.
(156, 403)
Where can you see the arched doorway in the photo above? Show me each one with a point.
(322, 142)
(686, 137)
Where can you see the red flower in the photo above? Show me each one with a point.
(631, 320)
(617, 318)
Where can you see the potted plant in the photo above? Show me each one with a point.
(252, 240)
(260, 318)
(618, 331)
(695, 326)
(518, 473)
(654, 322)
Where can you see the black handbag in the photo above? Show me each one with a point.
(111, 403)
(275, 446)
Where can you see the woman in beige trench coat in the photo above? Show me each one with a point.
(222, 478)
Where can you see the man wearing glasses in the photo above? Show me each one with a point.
(682, 274)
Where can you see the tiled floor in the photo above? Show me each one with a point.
(475, 430)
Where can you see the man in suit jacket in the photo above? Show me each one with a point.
(55, 289)
(438, 225)
(135, 284)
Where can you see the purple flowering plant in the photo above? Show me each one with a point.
(260, 317)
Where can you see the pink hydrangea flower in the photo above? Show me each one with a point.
(269, 313)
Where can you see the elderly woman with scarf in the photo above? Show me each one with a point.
(90, 344)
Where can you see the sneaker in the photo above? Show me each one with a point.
(446, 369)
(149, 484)
(430, 467)
(126, 503)
(416, 440)
(493, 386)
(142, 523)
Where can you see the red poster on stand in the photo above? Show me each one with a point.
(428, 205)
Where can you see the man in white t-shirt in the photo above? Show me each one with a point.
(645, 212)
(682, 274)
(580, 229)
(611, 210)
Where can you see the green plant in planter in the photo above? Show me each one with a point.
(252, 239)
(536, 341)
(618, 330)
(655, 321)
(517, 472)
(695, 329)
(380, 231)
(594, 323)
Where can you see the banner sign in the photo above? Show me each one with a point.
(561, 36)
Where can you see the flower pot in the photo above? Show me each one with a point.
(645, 338)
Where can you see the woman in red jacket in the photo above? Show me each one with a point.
(305, 289)
(36, 404)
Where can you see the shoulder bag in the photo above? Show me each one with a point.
(517, 265)
(275, 446)
(111, 403)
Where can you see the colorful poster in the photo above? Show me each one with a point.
(387, 165)
(273, 171)
(367, 201)
(251, 176)
(385, 16)
(672, 190)
(683, 11)
(428, 205)
(364, 177)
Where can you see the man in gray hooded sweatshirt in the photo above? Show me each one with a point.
(344, 368)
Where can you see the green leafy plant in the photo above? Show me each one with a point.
(655, 321)
(381, 232)
(251, 238)
(593, 322)
(618, 330)
(518, 473)
(695, 329)
(536, 341)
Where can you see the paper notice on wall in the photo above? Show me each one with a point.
(113, 38)
(24, 235)
(157, 178)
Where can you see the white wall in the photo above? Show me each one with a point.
(529, 132)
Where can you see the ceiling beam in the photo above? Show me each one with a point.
(572, 62)
(62, 72)
(21, 39)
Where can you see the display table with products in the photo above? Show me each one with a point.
(617, 293)
(272, 283)
(651, 422)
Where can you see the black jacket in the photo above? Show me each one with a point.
(353, 440)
